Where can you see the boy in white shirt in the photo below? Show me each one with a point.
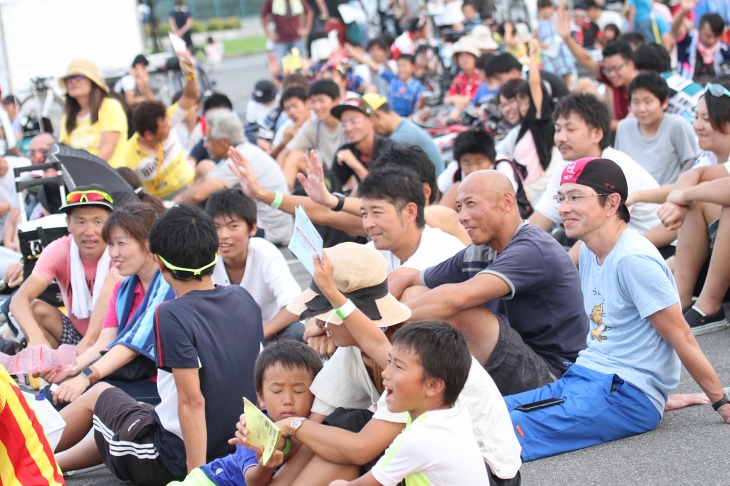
(428, 367)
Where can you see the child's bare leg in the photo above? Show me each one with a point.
(321, 473)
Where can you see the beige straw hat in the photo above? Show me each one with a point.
(360, 274)
(85, 68)
(466, 44)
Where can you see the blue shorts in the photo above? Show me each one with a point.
(598, 408)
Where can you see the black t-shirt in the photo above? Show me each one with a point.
(181, 15)
(590, 32)
(220, 331)
(556, 86)
(343, 172)
(332, 10)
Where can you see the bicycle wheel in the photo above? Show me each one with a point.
(431, 117)
(32, 108)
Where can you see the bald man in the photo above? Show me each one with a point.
(514, 291)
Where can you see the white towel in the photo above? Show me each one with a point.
(278, 7)
(84, 302)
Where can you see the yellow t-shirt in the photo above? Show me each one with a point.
(174, 174)
(86, 136)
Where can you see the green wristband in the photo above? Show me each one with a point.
(278, 198)
(287, 447)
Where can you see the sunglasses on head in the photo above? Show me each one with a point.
(194, 271)
(717, 90)
(75, 77)
(88, 196)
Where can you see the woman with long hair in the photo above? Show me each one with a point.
(124, 354)
(92, 120)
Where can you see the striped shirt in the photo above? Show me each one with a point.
(26, 457)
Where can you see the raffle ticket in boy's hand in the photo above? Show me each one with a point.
(262, 432)
(305, 240)
(38, 358)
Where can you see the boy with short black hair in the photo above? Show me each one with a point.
(283, 373)
(322, 133)
(295, 103)
(205, 361)
(475, 150)
(664, 144)
(428, 367)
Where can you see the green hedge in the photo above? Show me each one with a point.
(212, 25)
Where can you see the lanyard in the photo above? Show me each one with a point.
(160, 155)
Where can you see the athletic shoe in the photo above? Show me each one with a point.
(700, 324)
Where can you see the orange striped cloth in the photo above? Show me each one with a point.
(26, 456)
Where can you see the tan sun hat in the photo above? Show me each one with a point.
(85, 68)
(360, 274)
(484, 39)
(466, 44)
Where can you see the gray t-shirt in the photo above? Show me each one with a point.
(408, 133)
(663, 154)
(314, 134)
(276, 224)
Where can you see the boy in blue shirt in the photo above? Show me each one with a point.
(283, 373)
(404, 91)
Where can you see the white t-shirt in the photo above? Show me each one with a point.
(256, 112)
(491, 422)
(277, 225)
(344, 382)
(126, 83)
(279, 136)
(435, 247)
(267, 278)
(643, 215)
(7, 141)
(188, 139)
(437, 448)
(7, 182)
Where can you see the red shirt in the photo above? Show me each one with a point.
(464, 85)
(620, 96)
(287, 26)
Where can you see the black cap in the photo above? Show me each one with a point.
(357, 104)
(103, 203)
(603, 175)
(264, 91)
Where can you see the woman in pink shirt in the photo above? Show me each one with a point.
(124, 353)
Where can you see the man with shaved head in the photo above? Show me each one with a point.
(514, 291)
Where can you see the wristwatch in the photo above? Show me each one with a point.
(295, 424)
(89, 374)
(723, 401)
(340, 201)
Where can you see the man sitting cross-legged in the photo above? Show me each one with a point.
(514, 292)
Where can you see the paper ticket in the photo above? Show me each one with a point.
(261, 430)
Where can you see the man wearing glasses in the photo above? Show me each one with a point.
(364, 146)
(80, 264)
(619, 385)
(615, 71)
(582, 130)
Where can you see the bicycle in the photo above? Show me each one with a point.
(43, 102)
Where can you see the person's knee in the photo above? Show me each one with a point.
(203, 168)
(89, 397)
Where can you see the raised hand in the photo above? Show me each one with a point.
(314, 183)
(563, 23)
(240, 167)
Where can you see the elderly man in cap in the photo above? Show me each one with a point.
(619, 385)
(80, 264)
(363, 147)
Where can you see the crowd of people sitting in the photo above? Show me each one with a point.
(531, 292)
